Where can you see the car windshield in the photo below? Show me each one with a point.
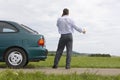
(29, 29)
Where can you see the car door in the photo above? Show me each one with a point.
(7, 33)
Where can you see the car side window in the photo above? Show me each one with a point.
(7, 28)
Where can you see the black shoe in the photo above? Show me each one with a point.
(67, 67)
(54, 67)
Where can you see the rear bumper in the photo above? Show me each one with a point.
(37, 53)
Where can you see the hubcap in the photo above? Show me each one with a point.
(15, 58)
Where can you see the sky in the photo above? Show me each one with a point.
(101, 18)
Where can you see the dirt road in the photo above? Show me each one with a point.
(99, 71)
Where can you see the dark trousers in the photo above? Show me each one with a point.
(65, 40)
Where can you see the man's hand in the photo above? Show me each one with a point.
(84, 31)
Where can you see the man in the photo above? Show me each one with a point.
(65, 28)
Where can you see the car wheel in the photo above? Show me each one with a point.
(16, 58)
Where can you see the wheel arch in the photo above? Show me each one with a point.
(14, 47)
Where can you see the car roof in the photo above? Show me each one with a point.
(11, 22)
(8, 21)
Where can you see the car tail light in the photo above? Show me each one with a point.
(41, 42)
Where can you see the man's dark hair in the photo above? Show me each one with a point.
(65, 11)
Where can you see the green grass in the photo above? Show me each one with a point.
(20, 75)
(81, 62)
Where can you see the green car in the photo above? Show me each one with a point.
(20, 44)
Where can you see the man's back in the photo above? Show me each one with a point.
(64, 25)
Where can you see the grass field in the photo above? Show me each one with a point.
(81, 62)
(77, 62)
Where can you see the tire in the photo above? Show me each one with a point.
(16, 58)
(26, 63)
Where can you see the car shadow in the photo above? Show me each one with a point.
(29, 66)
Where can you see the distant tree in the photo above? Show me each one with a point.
(100, 55)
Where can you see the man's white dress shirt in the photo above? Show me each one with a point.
(66, 25)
